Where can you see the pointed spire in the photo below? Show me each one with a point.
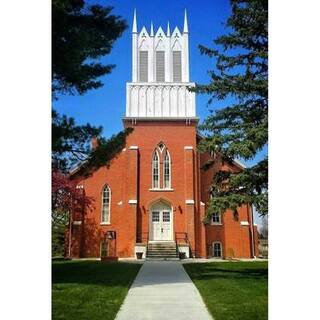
(185, 25)
(151, 30)
(134, 25)
(168, 30)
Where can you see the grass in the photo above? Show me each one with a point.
(90, 289)
(232, 290)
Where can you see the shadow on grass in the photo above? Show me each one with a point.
(93, 273)
(236, 271)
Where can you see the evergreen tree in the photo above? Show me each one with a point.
(81, 35)
(239, 129)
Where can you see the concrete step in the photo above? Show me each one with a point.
(161, 254)
(163, 259)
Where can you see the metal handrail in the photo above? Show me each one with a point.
(184, 237)
(141, 236)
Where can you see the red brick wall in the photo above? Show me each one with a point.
(235, 238)
(129, 178)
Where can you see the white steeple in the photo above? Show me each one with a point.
(168, 29)
(185, 24)
(134, 25)
(160, 73)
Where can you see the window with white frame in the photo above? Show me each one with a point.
(155, 170)
(217, 249)
(167, 171)
(216, 218)
(106, 201)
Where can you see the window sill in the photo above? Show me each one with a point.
(216, 224)
(158, 189)
(104, 223)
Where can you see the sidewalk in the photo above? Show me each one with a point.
(163, 290)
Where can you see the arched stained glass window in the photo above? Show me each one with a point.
(167, 171)
(155, 170)
(106, 201)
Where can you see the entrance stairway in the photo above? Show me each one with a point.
(162, 250)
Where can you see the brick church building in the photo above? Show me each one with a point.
(152, 197)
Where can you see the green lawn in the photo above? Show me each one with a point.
(90, 289)
(232, 290)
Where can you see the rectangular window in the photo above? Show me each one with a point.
(160, 66)
(217, 250)
(176, 63)
(166, 216)
(216, 218)
(143, 66)
(155, 216)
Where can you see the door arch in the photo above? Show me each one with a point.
(161, 221)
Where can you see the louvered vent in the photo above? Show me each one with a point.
(143, 66)
(176, 59)
(160, 66)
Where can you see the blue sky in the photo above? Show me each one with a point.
(106, 106)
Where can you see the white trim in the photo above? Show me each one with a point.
(124, 149)
(133, 201)
(188, 148)
(255, 225)
(239, 163)
(119, 203)
(202, 203)
(244, 223)
(77, 223)
(190, 201)
(105, 223)
(158, 189)
(134, 148)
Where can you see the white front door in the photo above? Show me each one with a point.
(161, 225)
(156, 225)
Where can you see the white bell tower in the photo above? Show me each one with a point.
(160, 74)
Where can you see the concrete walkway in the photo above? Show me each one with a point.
(163, 290)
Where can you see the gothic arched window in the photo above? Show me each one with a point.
(161, 167)
(155, 170)
(167, 171)
(106, 201)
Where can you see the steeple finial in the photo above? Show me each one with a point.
(185, 25)
(134, 25)
(168, 30)
(151, 30)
